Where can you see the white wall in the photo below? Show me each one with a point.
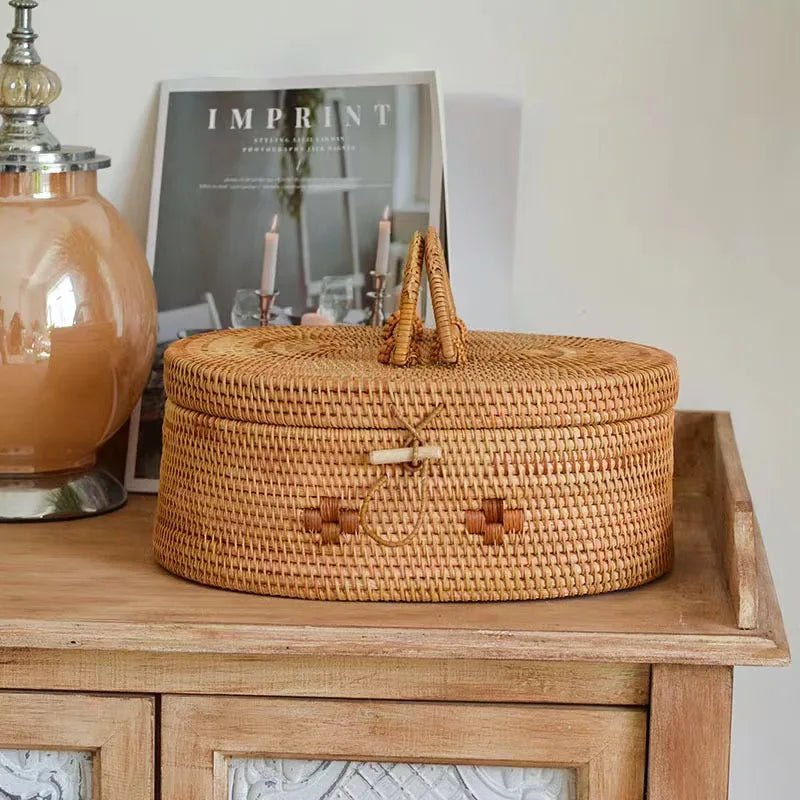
(658, 196)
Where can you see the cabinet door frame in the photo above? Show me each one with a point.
(118, 731)
(605, 745)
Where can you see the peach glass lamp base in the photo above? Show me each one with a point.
(77, 333)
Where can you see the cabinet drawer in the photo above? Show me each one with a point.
(75, 747)
(235, 748)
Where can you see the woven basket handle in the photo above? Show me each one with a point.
(403, 331)
(451, 330)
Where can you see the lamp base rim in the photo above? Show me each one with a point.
(54, 496)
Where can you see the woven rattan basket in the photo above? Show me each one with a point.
(307, 462)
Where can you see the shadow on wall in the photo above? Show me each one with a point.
(483, 151)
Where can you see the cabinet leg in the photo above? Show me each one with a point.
(690, 732)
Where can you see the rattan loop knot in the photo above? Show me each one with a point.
(415, 439)
(417, 466)
(412, 534)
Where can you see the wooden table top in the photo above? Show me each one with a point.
(93, 584)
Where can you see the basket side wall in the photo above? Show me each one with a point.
(595, 504)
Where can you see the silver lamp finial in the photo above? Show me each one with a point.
(27, 88)
(21, 51)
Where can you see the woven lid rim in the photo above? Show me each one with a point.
(198, 378)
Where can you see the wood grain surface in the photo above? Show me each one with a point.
(119, 731)
(94, 585)
(606, 746)
(735, 530)
(690, 730)
(300, 676)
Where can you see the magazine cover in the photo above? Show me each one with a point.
(297, 188)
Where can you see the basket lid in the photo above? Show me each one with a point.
(329, 377)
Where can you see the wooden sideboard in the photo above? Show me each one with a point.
(119, 681)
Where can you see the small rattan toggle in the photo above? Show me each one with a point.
(330, 520)
(494, 521)
(404, 455)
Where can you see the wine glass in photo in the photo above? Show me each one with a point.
(337, 297)
(246, 311)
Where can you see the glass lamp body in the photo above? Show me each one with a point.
(77, 321)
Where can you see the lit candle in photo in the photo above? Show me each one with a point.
(271, 239)
(384, 240)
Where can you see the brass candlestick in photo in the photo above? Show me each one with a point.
(77, 304)
(266, 301)
(378, 297)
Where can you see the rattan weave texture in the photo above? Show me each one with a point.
(330, 377)
(266, 484)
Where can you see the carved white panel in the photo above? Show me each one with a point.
(272, 779)
(44, 775)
